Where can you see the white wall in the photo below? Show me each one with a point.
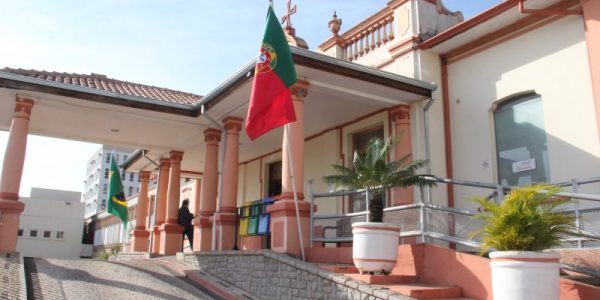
(552, 61)
(53, 211)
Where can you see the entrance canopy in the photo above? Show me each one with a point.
(92, 108)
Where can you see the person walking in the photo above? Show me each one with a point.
(185, 220)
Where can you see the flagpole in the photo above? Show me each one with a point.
(291, 163)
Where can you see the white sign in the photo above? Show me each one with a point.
(524, 165)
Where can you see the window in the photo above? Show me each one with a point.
(106, 173)
(521, 145)
(360, 140)
(47, 234)
(104, 188)
(60, 235)
(32, 233)
(130, 191)
(122, 175)
(20, 232)
(131, 177)
(108, 158)
(274, 183)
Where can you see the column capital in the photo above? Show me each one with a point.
(23, 106)
(144, 176)
(176, 156)
(164, 163)
(212, 135)
(400, 114)
(299, 90)
(232, 124)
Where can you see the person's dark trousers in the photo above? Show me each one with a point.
(189, 232)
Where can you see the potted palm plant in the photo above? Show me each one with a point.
(375, 244)
(519, 229)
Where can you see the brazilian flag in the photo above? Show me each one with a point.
(116, 197)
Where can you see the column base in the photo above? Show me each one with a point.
(155, 246)
(251, 243)
(284, 227)
(10, 212)
(139, 240)
(202, 234)
(171, 238)
(226, 222)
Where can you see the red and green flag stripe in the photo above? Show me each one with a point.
(270, 100)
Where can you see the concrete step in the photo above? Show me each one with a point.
(383, 279)
(425, 291)
(339, 268)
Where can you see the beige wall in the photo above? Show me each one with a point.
(552, 61)
(54, 211)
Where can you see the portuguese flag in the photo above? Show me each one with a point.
(270, 101)
(116, 197)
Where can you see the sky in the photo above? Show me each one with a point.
(187, 45)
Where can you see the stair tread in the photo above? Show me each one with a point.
(424, 290)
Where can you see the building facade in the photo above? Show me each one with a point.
(95, 191)
(52, 225)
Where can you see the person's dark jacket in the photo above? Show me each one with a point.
(185, 217)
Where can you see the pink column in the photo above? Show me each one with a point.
(161, 202)
(139, 240)
(208, 198)
(227, 213)
(284, 229)
(12, 170)
(171, 231)
(402, 147)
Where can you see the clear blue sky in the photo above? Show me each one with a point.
(188, 45)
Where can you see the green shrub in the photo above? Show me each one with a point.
(114, 250)
(102, 254)
(527, 220)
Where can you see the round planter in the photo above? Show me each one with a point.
(526, 275)
(375, 246)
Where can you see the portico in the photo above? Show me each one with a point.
(203, 138)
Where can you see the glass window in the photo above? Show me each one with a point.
(60, 235)
(32, 233)
(106, 173)
(108, 158)
(20, 233)
(47, 234)
(131, 177)
(521, 145)
(360, 141)
(130, 191)
(105, 188)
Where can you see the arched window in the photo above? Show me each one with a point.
(521, 146)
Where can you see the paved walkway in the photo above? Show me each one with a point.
(96, 279)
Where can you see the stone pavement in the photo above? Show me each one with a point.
(12, 277)
(97, 279)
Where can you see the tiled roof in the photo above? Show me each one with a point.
(103, 83)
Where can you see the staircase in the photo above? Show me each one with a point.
(408, 285)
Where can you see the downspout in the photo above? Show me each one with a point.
(423, 215)
(222, 162)
(417, 31)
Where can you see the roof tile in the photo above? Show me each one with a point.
(103, 83)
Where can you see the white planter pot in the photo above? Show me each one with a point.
(525, 275)
(375, 246)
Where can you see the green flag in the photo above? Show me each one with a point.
(116, 198)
